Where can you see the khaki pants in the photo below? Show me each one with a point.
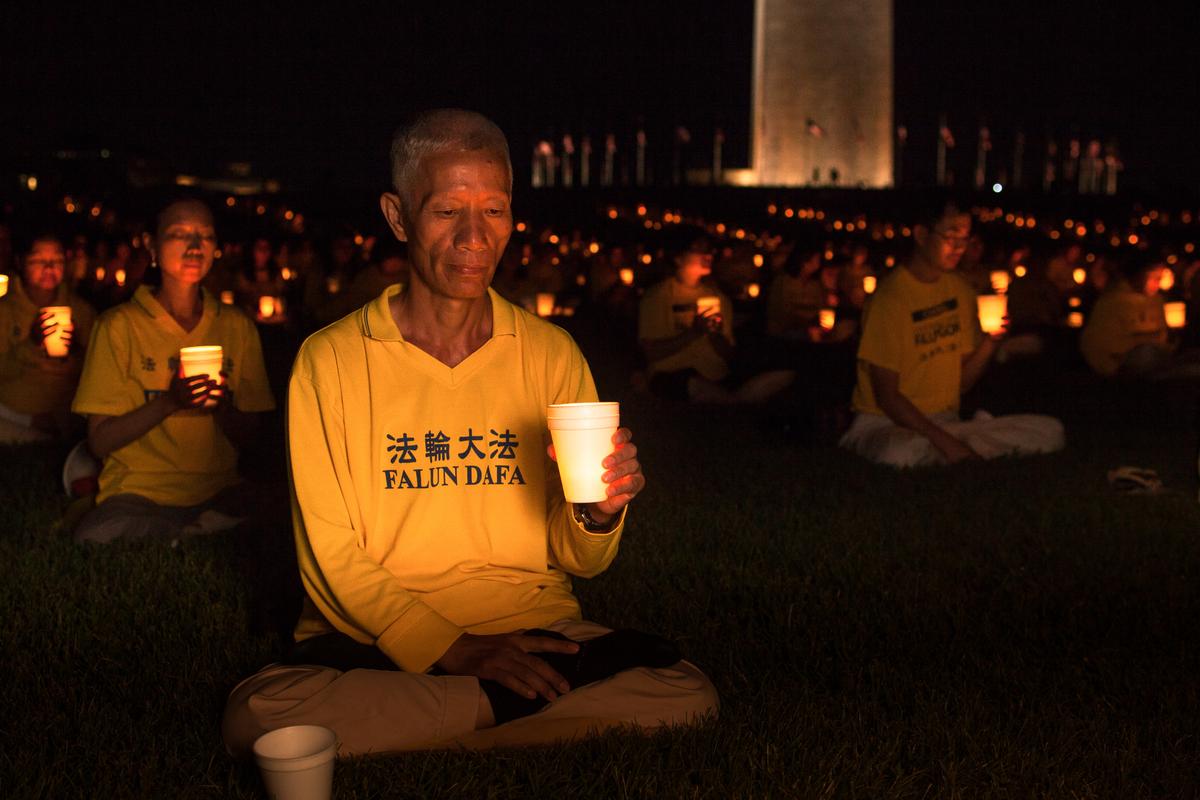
(876, 437)
(377, 711)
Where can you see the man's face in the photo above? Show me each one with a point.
(457, 221)
(44, 266)
(943, 245)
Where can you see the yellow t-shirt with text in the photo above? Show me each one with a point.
(133, 354)
(921, 331)
(423, 500)
(667, 309)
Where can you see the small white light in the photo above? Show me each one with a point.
(997, 188)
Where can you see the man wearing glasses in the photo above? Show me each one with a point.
(921, 349)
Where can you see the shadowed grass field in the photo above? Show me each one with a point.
(1013, 629)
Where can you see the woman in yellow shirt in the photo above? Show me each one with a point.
(1126, 333)
(170, 461)
(36, 387)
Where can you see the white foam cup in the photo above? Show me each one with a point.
(202, 360)
(582, 435)
(993, 308)
(709, 304)
(1176, 314)
(297, 762)
(55, 343)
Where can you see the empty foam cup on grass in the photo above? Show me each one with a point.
(297, 762)
(202, 360)
(582, 435)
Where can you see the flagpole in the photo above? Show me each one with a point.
(610, 150)
(585, 161)
(718, 143)
(1018, 160)
(941, 151)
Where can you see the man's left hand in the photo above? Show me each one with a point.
(623, 474)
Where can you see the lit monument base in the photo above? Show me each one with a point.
(822, 101)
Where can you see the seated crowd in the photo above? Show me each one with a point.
(439, 612)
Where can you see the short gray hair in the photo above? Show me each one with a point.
(440, 130)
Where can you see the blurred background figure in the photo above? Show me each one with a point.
(36, 387)
(685, 327)
(1126, 334)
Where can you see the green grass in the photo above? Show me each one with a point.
(1012, 629)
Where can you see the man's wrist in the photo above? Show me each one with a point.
(593, 520)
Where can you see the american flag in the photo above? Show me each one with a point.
(947, 136)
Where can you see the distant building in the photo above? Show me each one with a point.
(821, 112)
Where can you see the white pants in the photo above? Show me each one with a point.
(877, 438)
(377, 711)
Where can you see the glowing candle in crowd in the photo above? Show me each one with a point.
(826, 318)
(266, 306)
(1080, 275)
(758, 259)
(1176, 314)
(999, 280)
(582, 434)
(1075, 319)
(869, 283)
(1020, 271)
(709, 304)
(333, 284)
(100, 273)
(3, 285)
(993, 308)
(753, 290)
(56, 343)
(286, 274)
(1167, 280)
(202, 360)
(227, 297)
(627, 276)
(119, 276)
(545, 304)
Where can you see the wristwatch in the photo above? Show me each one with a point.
(583, 516)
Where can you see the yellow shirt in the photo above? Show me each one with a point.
(667, 309)
(423, 500)
(921, 331)
(1121, 320)
(134, 351)
(32, 382)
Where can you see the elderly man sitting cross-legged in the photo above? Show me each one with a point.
(433, 538)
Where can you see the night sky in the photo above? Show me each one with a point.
(311, 97)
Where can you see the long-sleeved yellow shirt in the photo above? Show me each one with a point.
(423, 500)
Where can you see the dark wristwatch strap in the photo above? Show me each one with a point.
(584, 517)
